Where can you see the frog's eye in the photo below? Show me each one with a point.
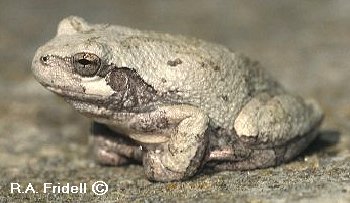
(86, 64)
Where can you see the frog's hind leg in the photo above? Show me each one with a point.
(258, 157)
(111, 148)
(272, 130)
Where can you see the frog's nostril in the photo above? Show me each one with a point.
(44, 59)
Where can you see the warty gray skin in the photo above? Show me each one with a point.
(173, 103)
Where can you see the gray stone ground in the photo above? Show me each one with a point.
(306, 44)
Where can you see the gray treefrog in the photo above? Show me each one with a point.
(174, 103)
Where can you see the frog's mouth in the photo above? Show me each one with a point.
(82, 102)
(74, 95)
(92, 106)
(99, 106)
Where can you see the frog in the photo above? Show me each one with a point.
(173, 103)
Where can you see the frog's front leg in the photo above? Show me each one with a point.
(182, 153)
(111, 148)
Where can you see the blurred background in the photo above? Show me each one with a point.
(305, 44)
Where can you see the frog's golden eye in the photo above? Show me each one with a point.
(86, 64)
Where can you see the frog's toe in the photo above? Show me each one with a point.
(156, 171)
(105, 157)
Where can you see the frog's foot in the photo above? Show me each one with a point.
(110, 148)
(180, 156)
(263, 157)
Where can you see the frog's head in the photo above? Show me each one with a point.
(74, 62)
(77, 64)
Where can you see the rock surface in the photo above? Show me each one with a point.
(305, 44)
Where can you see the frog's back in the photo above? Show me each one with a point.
(196, 72)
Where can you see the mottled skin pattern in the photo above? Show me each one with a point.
(173, 103)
